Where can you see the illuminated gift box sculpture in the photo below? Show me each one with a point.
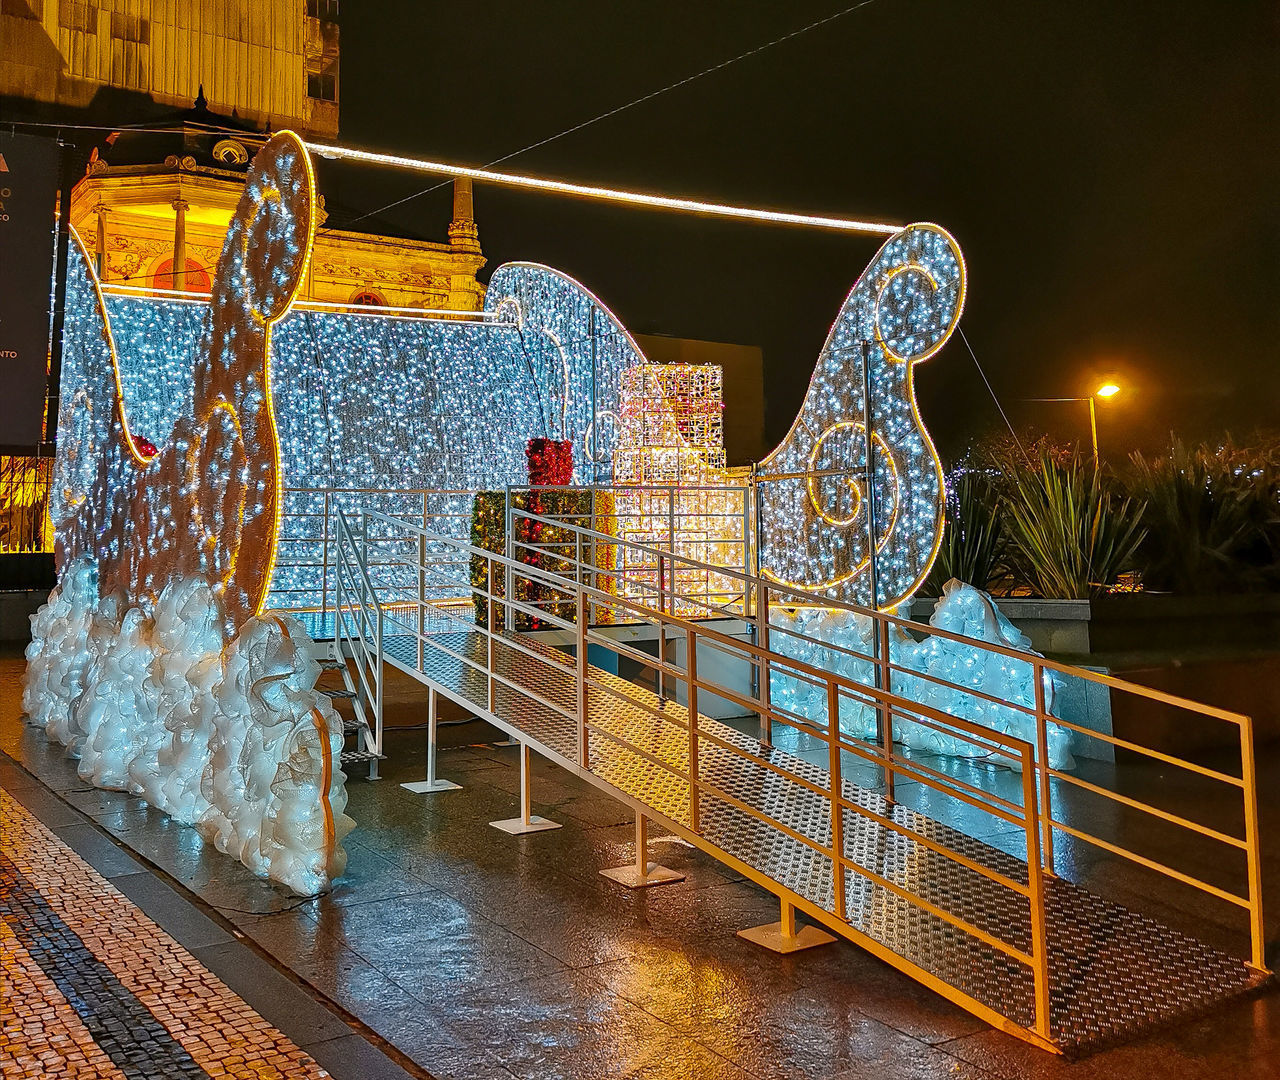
(673, 494)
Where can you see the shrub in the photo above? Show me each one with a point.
(1069, 534)
(1212, 517)
(974, 542)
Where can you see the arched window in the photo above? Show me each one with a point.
(197, 276)
(367, 298)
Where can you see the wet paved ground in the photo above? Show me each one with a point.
(93, 988)
(481, 955)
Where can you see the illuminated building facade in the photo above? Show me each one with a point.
(273, 63)
(154, 206)
(156, 198)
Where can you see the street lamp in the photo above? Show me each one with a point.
(1106, 390)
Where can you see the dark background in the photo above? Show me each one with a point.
(28, 196)
(1110, 170)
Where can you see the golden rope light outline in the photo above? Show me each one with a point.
(854, 485)
(268, 394)
(917, 423)
(140, 459)
(893, 355)
(590, 191)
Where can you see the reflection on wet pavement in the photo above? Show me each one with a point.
(481, 955)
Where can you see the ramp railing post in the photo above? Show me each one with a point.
(583, 750)
(1042, 767)
(886, 710)
(691, 672)
(509, 590)
(762, 639)
(1249, 785)
(490, 631)
(377, 683)
(432, 727)
(837, 797)
(1035, 883)
(593, 576)
(671, 521)
(662, 627)
(526, 797)
(324, 568)
(422, 585)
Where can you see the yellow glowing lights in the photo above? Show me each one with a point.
(668, 468)
(1106, 390)
(587, 191)
(854, 484)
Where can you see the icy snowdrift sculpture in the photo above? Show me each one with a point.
(230, 736)
(961, 609)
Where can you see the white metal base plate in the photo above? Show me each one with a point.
(426, 787)
(770, 936)
(629, 875)
(517, 826)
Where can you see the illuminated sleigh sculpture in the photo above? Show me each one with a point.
(157, 661)
(228, 733)
(824, 493)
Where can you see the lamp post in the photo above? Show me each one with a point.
(1106, 390)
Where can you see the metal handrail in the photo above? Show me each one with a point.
(586, 595)
(1252, 902)
(369, 613)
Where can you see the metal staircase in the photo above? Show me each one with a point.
(800, 807)
(355, 658)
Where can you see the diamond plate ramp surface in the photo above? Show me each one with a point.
(1113, 973)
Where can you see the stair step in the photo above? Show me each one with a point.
(353, 725)
(331, 665)
(336, 692)
(355, 757)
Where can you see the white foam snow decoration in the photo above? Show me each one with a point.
(57, 655)
(961, 609)
(267, 708)
(187, 756)
(187, 641)
(304, 847)
(89, 710)
(232, 737)
(124, 707)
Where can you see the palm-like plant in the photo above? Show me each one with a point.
(973, 541)
(1212, 518)
(1069, 535)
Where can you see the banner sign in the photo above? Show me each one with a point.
(28, 201)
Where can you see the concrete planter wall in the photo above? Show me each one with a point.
(1138, 622)
(1055, 627)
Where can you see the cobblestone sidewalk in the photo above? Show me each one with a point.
(93, 988)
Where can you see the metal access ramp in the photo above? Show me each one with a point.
(1003, 936)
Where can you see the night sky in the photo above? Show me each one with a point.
(1111, 171)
